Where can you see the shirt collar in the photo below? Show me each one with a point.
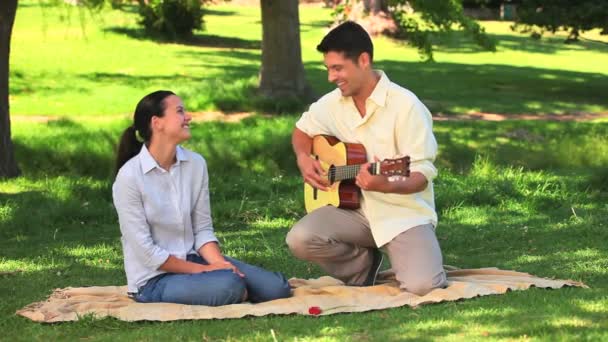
(148, 162)
(180, 155)
(380, 92)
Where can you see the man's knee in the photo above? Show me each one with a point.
(422, 285)
(298, 240)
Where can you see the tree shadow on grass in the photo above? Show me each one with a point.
(509, 315)
(68, 148)
(133, 8)
(24, 84)
(68, 236)
(244, 193)
(231, 151)
(39, 4)
(443, 87)
(523, 232)
(533, 145)
(217, 12)
(315, 25)
(198, 39)
(235, 88)
(453, 88)
(140, 81)
(63, 209)
(459, 42)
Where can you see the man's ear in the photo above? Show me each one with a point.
(364, 60)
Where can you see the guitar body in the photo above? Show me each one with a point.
(342, 194)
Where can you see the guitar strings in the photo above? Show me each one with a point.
(340, 173)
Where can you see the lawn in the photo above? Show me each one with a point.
(107, 62)
(530, 196)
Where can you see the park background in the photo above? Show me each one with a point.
(523, 188)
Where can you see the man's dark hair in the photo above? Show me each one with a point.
(349, 38)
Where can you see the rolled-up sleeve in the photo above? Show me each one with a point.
(415, 138)
(202, 223)
(133, 225)
(315, 121)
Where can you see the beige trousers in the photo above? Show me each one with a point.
(340, 241)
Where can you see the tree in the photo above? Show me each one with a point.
(282, 72)
(8, 165)
(173, 19)
(575, 16)
(281, 75)
(416, 21)
(8, 10)
(375, 6)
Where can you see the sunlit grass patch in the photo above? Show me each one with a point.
(60, 68)
(527, 196)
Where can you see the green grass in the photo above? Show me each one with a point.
(502, 202)
(62, 65)
(525, 195)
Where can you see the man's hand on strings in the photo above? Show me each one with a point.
(312, 172)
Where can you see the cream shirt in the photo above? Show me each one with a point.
(396, 124)
(161, 212)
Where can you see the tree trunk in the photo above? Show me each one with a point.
(8, 166)
(282, 72)
(374, 7)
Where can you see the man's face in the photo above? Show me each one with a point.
(345, 73)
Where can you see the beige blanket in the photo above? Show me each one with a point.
(322, 296)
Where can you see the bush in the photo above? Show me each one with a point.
(172, 19)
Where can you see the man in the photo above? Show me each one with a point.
(397, 215)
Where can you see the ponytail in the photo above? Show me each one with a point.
(128, 147)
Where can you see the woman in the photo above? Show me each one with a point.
(161, 195)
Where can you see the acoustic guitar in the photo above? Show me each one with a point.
(342, 161)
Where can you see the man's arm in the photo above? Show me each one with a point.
(414, 138)
(416, 182)
(301, 143)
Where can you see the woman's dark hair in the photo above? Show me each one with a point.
(151, 105)
(349, 38)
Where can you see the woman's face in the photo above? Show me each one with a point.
(174, 125)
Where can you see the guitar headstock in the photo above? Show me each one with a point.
(395, 167)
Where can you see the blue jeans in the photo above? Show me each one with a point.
(215, 288)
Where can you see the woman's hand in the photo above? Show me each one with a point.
(222, 265)
(176, 265)
(213, 255)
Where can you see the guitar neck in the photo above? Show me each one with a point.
(345, 172)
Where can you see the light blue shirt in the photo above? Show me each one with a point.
(161, 213)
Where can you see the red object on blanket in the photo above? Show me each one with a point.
(314, 310)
